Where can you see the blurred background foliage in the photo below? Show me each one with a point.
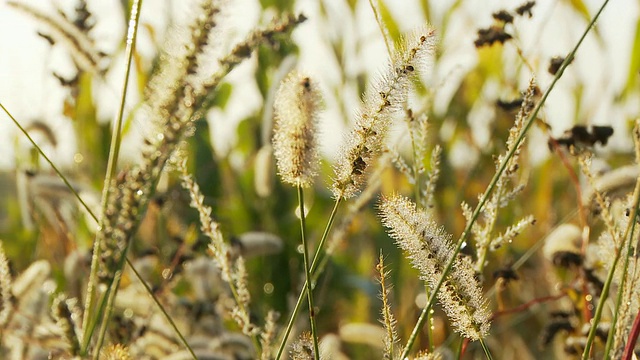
(347, 291)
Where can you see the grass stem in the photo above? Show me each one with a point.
(116, 139)
(312, 270)
(307, 271)
(485, 197)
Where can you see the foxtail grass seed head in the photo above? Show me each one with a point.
(268, 334)
(66, 315)
(116, 352)
(423, 355)
(296, 107)
(380, 103)
(429, 250)
(388, 319)
(125, 209)
(302, 348)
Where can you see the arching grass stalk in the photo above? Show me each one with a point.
(485, 197)
(164, 312)
(95, 218)
(46, 158)
(629, 236)
(307, 273)
(312, 271)
(116, 139)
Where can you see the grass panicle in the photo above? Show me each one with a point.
(505, 190)
(302, 348)
(232, 270)
(67, 315)
(388, 320)
(384, 100)
(268, 335)
(296, 109)
(429, 248)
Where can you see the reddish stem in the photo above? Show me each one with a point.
(527, 305)
(463, 348)
(633, 337)
(586, 308)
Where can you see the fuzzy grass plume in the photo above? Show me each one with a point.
(380, 104)
(296, 107)
(429, 249)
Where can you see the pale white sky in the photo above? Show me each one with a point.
(31, 93)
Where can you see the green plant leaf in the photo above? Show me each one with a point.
(581, 8)
(223, 93)
(388, 22)
(634, 62)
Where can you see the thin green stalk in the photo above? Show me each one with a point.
(116, 138)
(383, 28)
(619, 296)
(110, 298)
(46, 158)
(607, 285)
(484, 249)
(164, 312)
(106, 305)
(95, 218)
(87, 334)
(485, 348)
(312, 270)
(629, 236)
(416, 329)
(429, 322)
(307, 273)
(459, 349)
(485, 197)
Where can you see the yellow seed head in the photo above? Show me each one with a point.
(296, 107)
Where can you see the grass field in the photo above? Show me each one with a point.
(432, 180)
